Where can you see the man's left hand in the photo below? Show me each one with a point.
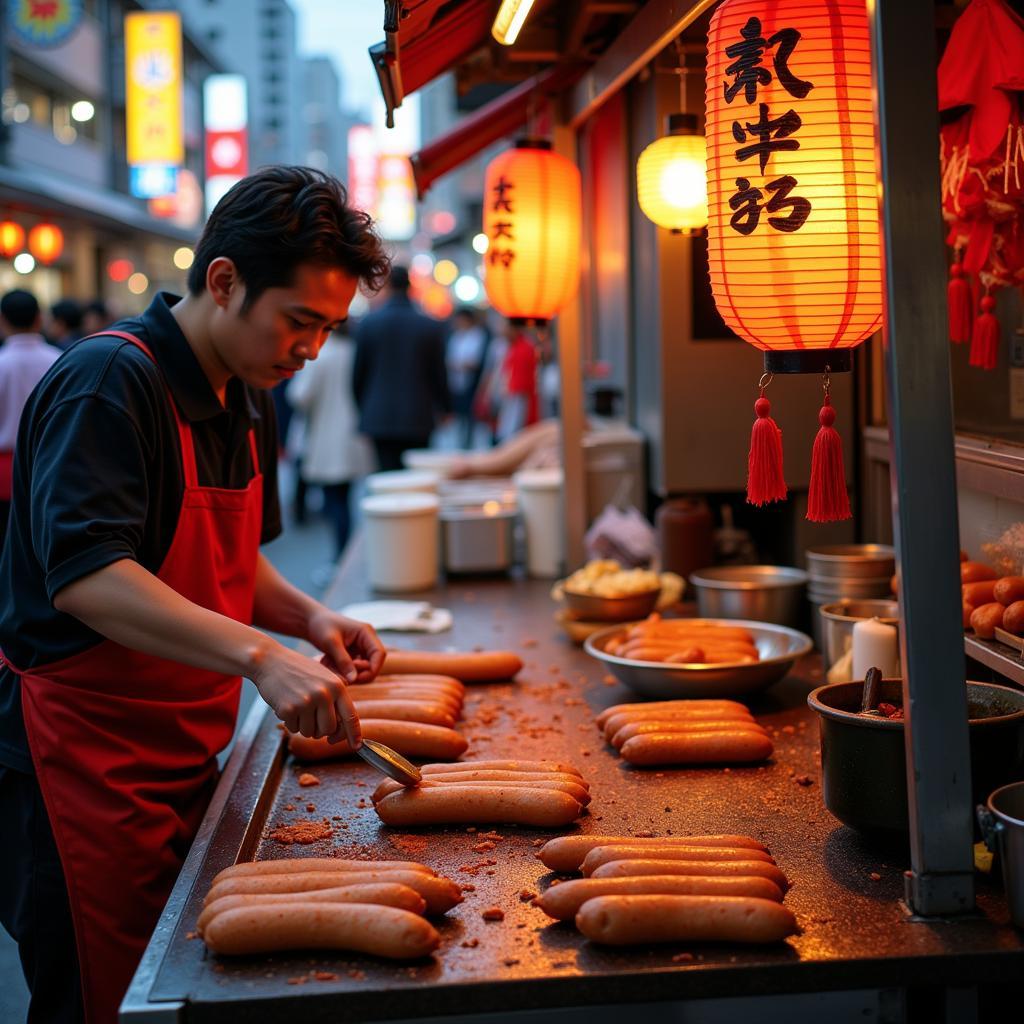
(351, 648)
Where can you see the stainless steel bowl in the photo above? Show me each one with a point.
(836, 590)
(838, 620)
(761, 593)
(477, 539)
(850, 561)
(591, 608)
(778, 646)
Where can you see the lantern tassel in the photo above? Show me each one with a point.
(765, 481)
(827, 500)
(958, 296)
(985, 339)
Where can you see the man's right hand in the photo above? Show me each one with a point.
(306, 695)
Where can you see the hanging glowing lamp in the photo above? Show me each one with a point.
(12, 238)
(532, 211)
(46, 242)
(509, 20)
(671, 177)
(793, 244)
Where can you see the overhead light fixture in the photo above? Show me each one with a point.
(509, 20)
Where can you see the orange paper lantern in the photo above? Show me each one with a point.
(532, 202)
(671, 177)
(793, 241)
(46, 242)
(12, 238)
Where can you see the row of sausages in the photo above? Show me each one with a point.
(680, 732)
(723, 888)
(374, 907)
(542, 794)
(684, 642)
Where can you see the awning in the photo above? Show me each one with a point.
(491, 122)
(432, 36)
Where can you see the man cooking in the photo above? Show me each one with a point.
(133, 595)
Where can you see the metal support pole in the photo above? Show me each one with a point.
(922, 462)
(571, 405)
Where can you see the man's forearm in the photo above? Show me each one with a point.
(279, 605)
(129, 605)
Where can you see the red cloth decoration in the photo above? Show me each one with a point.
(827, 500)
(765, 481)
(985, 339)
(961, 319)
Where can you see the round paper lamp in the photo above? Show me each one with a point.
(46, 242)
(12, 238)
(793, 241)
(532, 203)
(671, 177)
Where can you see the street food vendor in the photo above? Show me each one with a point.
(133, 595)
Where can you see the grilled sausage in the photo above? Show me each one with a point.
(491, 805)
(606, 854)
(714, 868)
(734, 746)
(566, 853)
(466, 666)
(413, 739)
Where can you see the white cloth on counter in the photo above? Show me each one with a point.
(401, 616)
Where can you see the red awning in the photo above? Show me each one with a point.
(491, 122)
(433, 36)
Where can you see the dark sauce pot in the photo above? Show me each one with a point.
(863, 763)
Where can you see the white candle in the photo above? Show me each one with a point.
(875, 645)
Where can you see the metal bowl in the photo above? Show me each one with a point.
(838, 620)
(851, 561)
(778, 646)
(759, 593)
(591, 608)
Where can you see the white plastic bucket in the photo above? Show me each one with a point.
(398, 481)
(540, 496)
(401, 540)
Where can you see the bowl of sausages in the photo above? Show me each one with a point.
(670, 658)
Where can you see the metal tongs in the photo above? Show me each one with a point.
(390, 762)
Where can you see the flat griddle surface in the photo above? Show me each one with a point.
(846, 895)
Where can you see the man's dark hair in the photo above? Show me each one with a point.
(280, 217)
(68, 312)
(466, 311)
(399, 279)
(20, 309)
(97, 306)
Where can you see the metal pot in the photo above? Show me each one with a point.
(764, 593)
(477, 538)
(851, 561)
(1002, 825)
(863, 761)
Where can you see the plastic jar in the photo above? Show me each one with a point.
(401, 540)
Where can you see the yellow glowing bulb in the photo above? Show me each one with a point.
(445, 272)
(671, 182)
(509, 20)
(138, 283)
(183, 257)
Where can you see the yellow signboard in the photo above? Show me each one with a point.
(152, 43)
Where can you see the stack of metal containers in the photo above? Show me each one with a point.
(839, 571)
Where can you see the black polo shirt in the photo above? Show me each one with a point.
(98, 478)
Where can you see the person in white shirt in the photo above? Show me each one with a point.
(467, 346)
(24, 358)
(334, 453)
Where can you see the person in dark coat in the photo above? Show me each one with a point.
(399, 378)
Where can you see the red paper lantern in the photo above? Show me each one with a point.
(532, 204)
(793, 242)
(12, 238)
(46, 242)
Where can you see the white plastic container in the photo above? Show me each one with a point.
(401, 541)
(541, 502)
(400, 481)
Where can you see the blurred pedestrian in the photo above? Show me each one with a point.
(518, 406)
(399, 379)
(65, 323)
(95, 317)
(333, 452)
(24, 359)
(487, 400)
(467, 349)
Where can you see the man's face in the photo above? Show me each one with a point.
(284, 327)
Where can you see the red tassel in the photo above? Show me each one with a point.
(958, 295)
(985, 339)
(827, 500)
(765, 481)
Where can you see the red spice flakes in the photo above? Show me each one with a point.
(308, 779)
(310, 807)
(525, 895)
(301, 832)
(496, 836)
(470, 943)
(191, 935)
(467, 887)
(493, 914)
(358, 975)
(803, 780)
(680, 958)
(510, 961)
(300, 980)
(875, 876)
(539, 842)
(484, 847)
(289, 807)
(325, 976)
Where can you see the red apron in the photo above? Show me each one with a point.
(124, 744)
(6, 475)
